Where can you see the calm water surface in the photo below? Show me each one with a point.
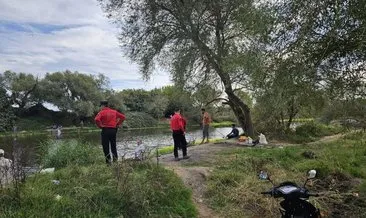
(25, 146)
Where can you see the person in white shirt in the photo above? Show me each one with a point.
(6, 171)
(139, 151)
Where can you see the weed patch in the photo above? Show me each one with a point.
(233, 188)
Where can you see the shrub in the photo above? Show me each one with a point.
(69, 152)
(139, 119)
(313, 129)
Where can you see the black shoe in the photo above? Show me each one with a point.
(176, 159)
(186, 157)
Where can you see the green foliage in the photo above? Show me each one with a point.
(222, 124)
(308, 132)
(60, 154)
(313, 129)
(76, 92)
(135, 99)
(178, 98)
(327, 39)
(34, 123)
(6, 112)
(343, 110)
(22, 88)
(97, 191)
(139, 120)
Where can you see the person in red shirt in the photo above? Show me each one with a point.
(177, 125)
(109, 120)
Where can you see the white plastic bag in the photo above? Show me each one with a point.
(48, 170)
(250, 140)
(262, 139)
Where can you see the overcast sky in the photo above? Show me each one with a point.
(39, 36)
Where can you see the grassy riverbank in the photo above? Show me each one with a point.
(233, 187)
(89, 188)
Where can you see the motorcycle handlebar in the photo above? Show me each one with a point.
(313, 194)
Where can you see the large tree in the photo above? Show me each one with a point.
(22, 89)
(74, 92)
(195, 39)
(329, 38)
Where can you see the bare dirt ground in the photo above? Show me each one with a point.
(195, 170)
(195, 177)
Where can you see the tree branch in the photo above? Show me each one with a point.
(217, 99)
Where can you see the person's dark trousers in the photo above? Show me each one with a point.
(109, 137)
(179, 142)
(232, 136)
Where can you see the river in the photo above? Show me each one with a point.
(25, 146)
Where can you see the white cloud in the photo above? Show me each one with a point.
(84, 41)
(57, 12)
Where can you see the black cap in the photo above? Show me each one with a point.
(103, 103)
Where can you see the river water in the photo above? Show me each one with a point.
(25, 146)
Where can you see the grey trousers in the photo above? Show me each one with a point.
(205, 130)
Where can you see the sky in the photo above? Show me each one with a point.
(40, 36)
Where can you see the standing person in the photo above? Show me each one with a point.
(109, 120)
(206, 120)
(177, 127)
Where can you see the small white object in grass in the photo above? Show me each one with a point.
(312, 174)
(58, 197)
(56, 182)
(48, 170)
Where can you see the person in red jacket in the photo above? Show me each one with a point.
(109, 120)
(177, 125)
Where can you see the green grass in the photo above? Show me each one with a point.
(233, 188)
(89, 188)
(301, 120)
(222, 124)
(59, 154)
(309, 132)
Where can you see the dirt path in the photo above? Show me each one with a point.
(195, 176)
(195, 170)
(327, 139)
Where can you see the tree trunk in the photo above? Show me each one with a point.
(242, 112)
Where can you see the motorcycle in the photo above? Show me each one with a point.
(295, 204)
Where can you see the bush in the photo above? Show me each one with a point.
(313, 129)
(60, 154)
(139, 120)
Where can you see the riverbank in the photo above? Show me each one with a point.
(84, 186)
(225, 183)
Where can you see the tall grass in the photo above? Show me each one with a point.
(58, 154)
(86, 187)
(233, 188)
